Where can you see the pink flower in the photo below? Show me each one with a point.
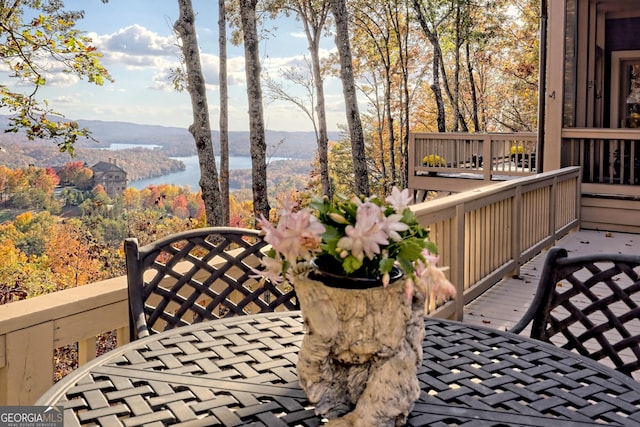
(297, 236)
(431, 280)
(399, 199)
(380, 230)
(366, 236)
(392, 225)
(272, 270)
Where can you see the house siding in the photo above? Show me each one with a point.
(111, 177)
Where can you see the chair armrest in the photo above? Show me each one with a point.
(522, 324)
(543, 291)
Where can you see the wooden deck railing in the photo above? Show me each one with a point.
(488, 233)
(435, 158)
(607, 156)
(483, 235)
(31, 329)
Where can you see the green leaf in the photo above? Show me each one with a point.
(431, 247)
(386, 265)
(351, 264)
(408, 250)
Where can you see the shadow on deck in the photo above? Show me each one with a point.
(506, 302)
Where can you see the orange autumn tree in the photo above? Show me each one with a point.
(6, 183)
(70, 256)
(179, 206)
(22, 276)
(77, 174)
(24, 271)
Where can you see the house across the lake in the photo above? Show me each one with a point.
(111, 176)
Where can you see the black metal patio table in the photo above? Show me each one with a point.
(241, 371)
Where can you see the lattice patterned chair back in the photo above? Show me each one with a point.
(589, 304)
(198, 275)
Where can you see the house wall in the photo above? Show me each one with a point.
(582, 34)
(610, 213)
(114, 182)
(554, 89)
(622, 34)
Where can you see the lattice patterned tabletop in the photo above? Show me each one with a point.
(241, 371)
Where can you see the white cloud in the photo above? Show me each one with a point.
(273, 65)
(60, 79)
(137, 40)
(235, 71)
(210, 69)
(63, 100)
(161, 80)
(140, 60)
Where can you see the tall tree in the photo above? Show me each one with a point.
(313, 14)
(392, 60)
(256, 115)
(339, 10)
(467, 25)
(200, 129)
(431, 15)
(277, 90)
(224, 111)
(400, 21)
(27, 49)
(472, 84)
(373, 22)
(458, 123)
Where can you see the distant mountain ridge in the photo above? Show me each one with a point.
(178, 142)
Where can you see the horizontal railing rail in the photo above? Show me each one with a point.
(31, 329)
(607, 156)
(483, 235)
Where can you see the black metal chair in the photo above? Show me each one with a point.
(198, 275)
(589, 304)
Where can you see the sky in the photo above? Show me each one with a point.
(139, 48)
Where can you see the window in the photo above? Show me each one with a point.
(625, 89)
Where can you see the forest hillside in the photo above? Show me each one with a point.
(163, 143)
(177, 142)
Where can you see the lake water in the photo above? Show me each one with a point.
(191, 175)
(125, 146)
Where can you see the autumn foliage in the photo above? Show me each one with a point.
(53, 237)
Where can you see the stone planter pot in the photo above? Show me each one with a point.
(359, 357)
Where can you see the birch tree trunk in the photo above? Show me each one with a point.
(224, 111)
(405, 60)
(435, 86)
(256, 118)
(460, 122)
(314, 15)
(200, 129)
(323, 137)
(437, 92)
(361, 178)
(472, 85)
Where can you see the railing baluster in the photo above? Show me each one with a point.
(86, 350)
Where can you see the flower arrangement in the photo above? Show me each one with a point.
(359, 237)
(434, 160)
